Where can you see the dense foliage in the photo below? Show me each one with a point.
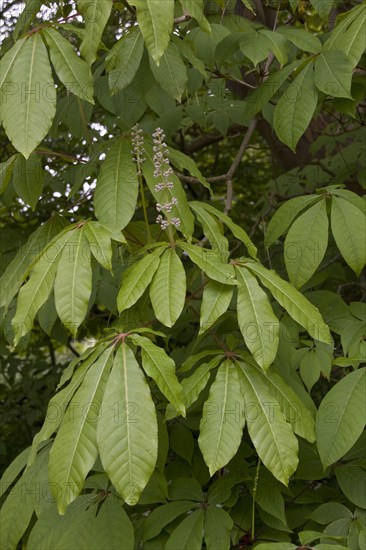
(182, 297)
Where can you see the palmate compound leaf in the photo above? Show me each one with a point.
(127, 431)
(35, 292)
(74, 450)
(272, 436)
(257, 322)
(306, 244)
(137, 278)
(116, 192)
(30, 103)
(349, 229)
(216, 299)
(222, 421)
(296, 305)
(159, 366)
(168, 288)
(96, 14)
(73, 282)
(341, 417)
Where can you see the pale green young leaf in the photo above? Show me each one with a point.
(127, 431)
(73, 282)
(296, 305)
(28, 179)
(188, 534)
(222, 421)
(217, 528)
(210, 262)
(168, 288)
(284, 216)
(349, 229)
(163, 515)
(155, 19)
(333, 74)
(296, 107)
(301, 38)
(255, 46)
(349, 36)
(74, 449)
(194, 8)
(6, 172)
(96, 14)
(159, 366)
(212, 231)
(112, 528)
(306, 244)
(236, 230)
(341, 417)
(73, 72)
(137, 278)
(216, 299)
(28, 111)
(99, 239)
(124, 59)
(37, 289)
(277, 44)
(115, 196)
(272, 436)
(257, 322)
(171, 73)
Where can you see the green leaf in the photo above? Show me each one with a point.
(124, 59)
(351, 479)
(277, 44)
(322, 8)
(349, 229)
(27, 17)
(212, 230)
(215, 301)
(296, 107)
(348, 36)
(137, 278)
(168, 288)
(28, 111)
(35, 292)
(310, 369)
(195, 9)
(163, 515)
(301, 38)
(99, 239)
(222, 422)
(73, 72)
(155, 20)
(6, 172)
(127, 431)
(112, 528)
(116, 192)
(218, 525)
(96, 15)
(285, 215)
(184, 162)
(271, 435)
(333, 74)
(74, 450)
(28, 179)
(341, 417)
(296, 305)
(13, 470)
(306, 244)
(188, 534)
(7, 62)
(171, 73)
(159, 366)
(73, 283)
(210, 262)
(255, 46)
(257, 322)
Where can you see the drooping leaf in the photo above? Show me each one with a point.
(137, 278)
(168, 288)
(73, 282)
(74, 450)
(293, 301)
(28, 179)
(257, 322)
(222, 422)
(333, 74)
(171, 73)
(195, 9)
(349, 229)
(296, 107)
(341, 417)
(116, 192)
(127, 432)
(210, 262)
(159, 366)
(124, 59)
(271, 435)
(188, 534)
(73, 72)
(216, 299)
(155, 20)
(96, 14)
(306, 244)
(29, 109)
(217, 528)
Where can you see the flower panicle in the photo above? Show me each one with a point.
(137, 140)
